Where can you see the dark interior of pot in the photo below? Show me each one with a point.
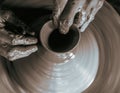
(63, 42)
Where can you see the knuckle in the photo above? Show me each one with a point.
(11, 35)
(6, 14)
(5, 45)
(77, 18)
(100, 3)
(55, 21)
(10, 59)
(5, 41)
(56, 12)
(4, 53)
(11, 55)
(83, 17)
(16, 39)
(21, 40)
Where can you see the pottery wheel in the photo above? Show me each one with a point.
(96, 68)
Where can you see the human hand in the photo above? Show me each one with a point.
(77, 12)
(15, 39)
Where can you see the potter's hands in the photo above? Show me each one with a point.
(13, 41)
(78, 12)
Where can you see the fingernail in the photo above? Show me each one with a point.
(55, 21)
(34, 48)
(24, 41)
(30, 40)
(64, 26)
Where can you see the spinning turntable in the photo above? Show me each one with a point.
(91, 65)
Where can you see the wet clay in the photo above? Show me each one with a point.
(92, 68)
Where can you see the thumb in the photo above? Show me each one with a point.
(57, 10)
(68, 14)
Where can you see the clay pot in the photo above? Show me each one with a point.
(59, 47)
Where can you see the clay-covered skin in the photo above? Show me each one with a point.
(64, 11)
(37, 74)
(14, 43)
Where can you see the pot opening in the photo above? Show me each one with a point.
(58, 42)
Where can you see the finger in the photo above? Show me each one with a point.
(1, 19)
(13, 39)
(13, 23)
(56, 12)
(22, 27)
(84, 17)
(68, 14)
(99, 5)
(91, 15)
(22, 40)
(85, 25)
(5, 37)
(6, 15)
(20, 52)
(94, 5)
(58, 8)
(4, 50)
(1, 24)
(80, 18)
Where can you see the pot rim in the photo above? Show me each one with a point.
(49, 25)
